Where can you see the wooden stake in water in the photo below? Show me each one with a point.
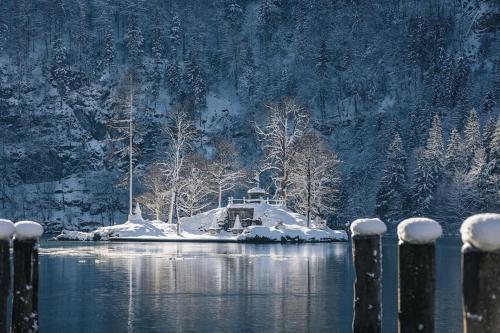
(6, 232)
(417, 274)
(481, 273)
(367, 256)
(25, 296)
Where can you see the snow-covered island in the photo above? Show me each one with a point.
(255, 219)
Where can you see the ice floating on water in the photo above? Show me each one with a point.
(368, 227)
(28, 230)
(419, 230)
(482, 231)
(7, 229)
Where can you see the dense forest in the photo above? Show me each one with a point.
(404, 96)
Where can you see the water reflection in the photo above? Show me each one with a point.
(159, 287)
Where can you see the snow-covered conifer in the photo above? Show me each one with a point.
(134, 41)
(454, 160)
(472, 137)
(429, 170)
(390, 204)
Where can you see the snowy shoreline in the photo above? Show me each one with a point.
(277, 225)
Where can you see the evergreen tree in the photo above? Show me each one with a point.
(109, 46)
(429, 170)
(134, 42)
(391, 194)
(454, 154)
(59, 69)
(174, 35)
(196, 82)
(491, 174)
(322, 66)
(472, 137)
(174, 79)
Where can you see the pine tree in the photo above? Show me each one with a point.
(196, 82)
(472, 137)
(429, 170)
(322, 66)
(59, 68)
(454, 154)
(174, 79)
(491, 173)
(109, 46)
(392, 192)
(174, 35)
(134, 42)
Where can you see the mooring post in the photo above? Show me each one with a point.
(7, 230)
(481, 273)
(25, 296)
(417, 274)
(367, 257)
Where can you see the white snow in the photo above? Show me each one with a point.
(367, 227)
(28, 230)
(482, 231)
(419, 230)
(7, 229)
(237, 224)
(196, 228)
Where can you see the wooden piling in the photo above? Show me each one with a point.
(367, 291)
(417, 287)
(417, 274)
(481, 273)
(367, 257)
(25, 295)
(4, 283)
(7, 230)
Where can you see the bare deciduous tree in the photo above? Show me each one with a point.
(315, 183)
(285, 125)
(224, 169)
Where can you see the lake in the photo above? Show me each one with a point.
(210, 287)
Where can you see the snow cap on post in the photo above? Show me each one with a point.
(26, 230)
(368, 227)
(419, 230)
(7, 229)
(482, 231)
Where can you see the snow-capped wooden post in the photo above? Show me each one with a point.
(367, 256)
(481, 273)
(25, 296)
(417, 274)
(7, 230)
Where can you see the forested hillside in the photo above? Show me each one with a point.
(407, 94)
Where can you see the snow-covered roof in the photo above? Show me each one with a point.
(256, 190)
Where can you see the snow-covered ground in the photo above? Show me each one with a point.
(279, 224)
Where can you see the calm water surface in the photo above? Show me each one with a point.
(209, 287)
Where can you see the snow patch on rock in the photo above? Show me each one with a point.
(482, 231)
(419, 230)
(7, 229)
(368, 227)
(28, 230)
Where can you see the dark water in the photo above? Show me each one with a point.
(168, 287)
